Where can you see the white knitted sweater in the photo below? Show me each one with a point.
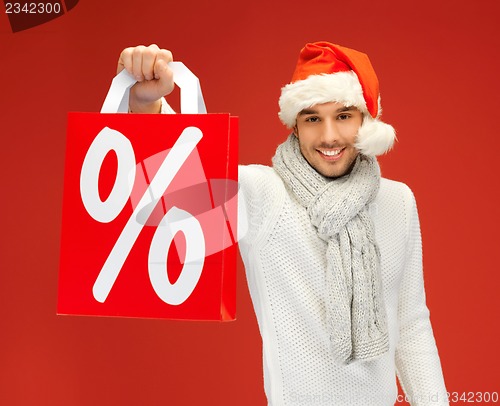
(285, 264)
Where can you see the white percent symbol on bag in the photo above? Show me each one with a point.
(175, 219)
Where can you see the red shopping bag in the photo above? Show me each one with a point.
(149, 210)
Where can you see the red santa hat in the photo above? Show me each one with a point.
(327, 72)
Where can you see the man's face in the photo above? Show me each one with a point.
(327, 133)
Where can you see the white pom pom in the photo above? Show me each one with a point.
(375, 137)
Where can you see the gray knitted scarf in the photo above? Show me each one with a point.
(338, 209)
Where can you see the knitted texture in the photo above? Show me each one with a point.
(285, 262)
(339, 211)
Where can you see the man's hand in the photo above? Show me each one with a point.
(155, 79)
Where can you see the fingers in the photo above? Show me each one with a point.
(137, 62)
(145, 63)
(125, 60)
(164, 76)
(163, 57)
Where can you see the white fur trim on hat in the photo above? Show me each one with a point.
(342, 87)
(374, 136)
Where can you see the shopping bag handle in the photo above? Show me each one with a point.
(191, 97)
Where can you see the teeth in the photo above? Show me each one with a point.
(331, 153)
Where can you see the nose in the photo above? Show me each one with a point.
(331, 134)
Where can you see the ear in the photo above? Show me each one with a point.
(296, 131)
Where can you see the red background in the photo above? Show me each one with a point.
(437, 62)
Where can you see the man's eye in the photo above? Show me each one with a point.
(343, 116)
(312, 119)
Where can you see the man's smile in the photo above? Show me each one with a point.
(331, 154)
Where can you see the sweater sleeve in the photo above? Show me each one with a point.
(259, 195)
(417, 360)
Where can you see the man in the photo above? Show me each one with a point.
(333, 251)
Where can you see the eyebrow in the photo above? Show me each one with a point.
(307, 111)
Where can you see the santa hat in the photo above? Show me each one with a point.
(327, 72)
